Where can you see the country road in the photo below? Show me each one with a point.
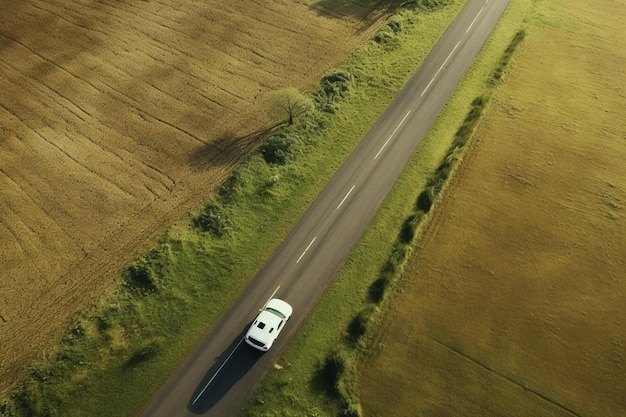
(221, 374)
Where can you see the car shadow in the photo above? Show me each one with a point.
(236, 360)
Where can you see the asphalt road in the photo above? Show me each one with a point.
(222, 373)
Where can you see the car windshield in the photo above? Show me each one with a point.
(278, 313)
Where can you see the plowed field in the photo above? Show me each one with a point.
(116, 117)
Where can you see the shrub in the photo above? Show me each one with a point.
(7, 408)
(386, 37)
(360, 323)
(107, 318)
(338, 373)
(480, 102)
(426, 199)
(396, 259)
(430, 4)
(351, 410)
(445, 169)
(333, 87)
(140, 276)
(383, 36)
(376, 291)
(268, 189)
(69, 357)
(230, 188)
(280, 149)
(214, 220)
(465, 130)
(336, 84)
(395, 24)
(506, 57)
(331, 371)
(407, 232)
(33, 402)
(473, 114)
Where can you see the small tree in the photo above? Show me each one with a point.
(290, 102)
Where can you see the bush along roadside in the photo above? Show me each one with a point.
(339, 368)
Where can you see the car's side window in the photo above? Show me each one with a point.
(280, 324)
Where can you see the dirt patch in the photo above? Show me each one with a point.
(515, 303)
(116, 118)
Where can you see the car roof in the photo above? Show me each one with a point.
(265, 326)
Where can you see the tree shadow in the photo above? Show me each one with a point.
(363, 10)
(227, 150)
(232, 365)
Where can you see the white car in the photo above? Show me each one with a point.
(268, 324)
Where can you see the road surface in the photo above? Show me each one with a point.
(222, 373)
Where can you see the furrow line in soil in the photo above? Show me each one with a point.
(167, 27)
(172, 181)
(48, 62)
(230, 92)
(18, 238)
(68, 135)
(63, 152)
(175, 97)
(260, 53)
(132, 102)
(35, 203)
(273, 23)
(82, 165)
(45, 91)
(249, 50)
(63, 17)
(92, 29)
(276, 11)
(176, 128)
(41, 263)
(152, 12)
(214, 100)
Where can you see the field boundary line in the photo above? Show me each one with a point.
(511, 380)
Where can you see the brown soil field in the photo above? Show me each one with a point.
(118, 117)
(514, 304)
